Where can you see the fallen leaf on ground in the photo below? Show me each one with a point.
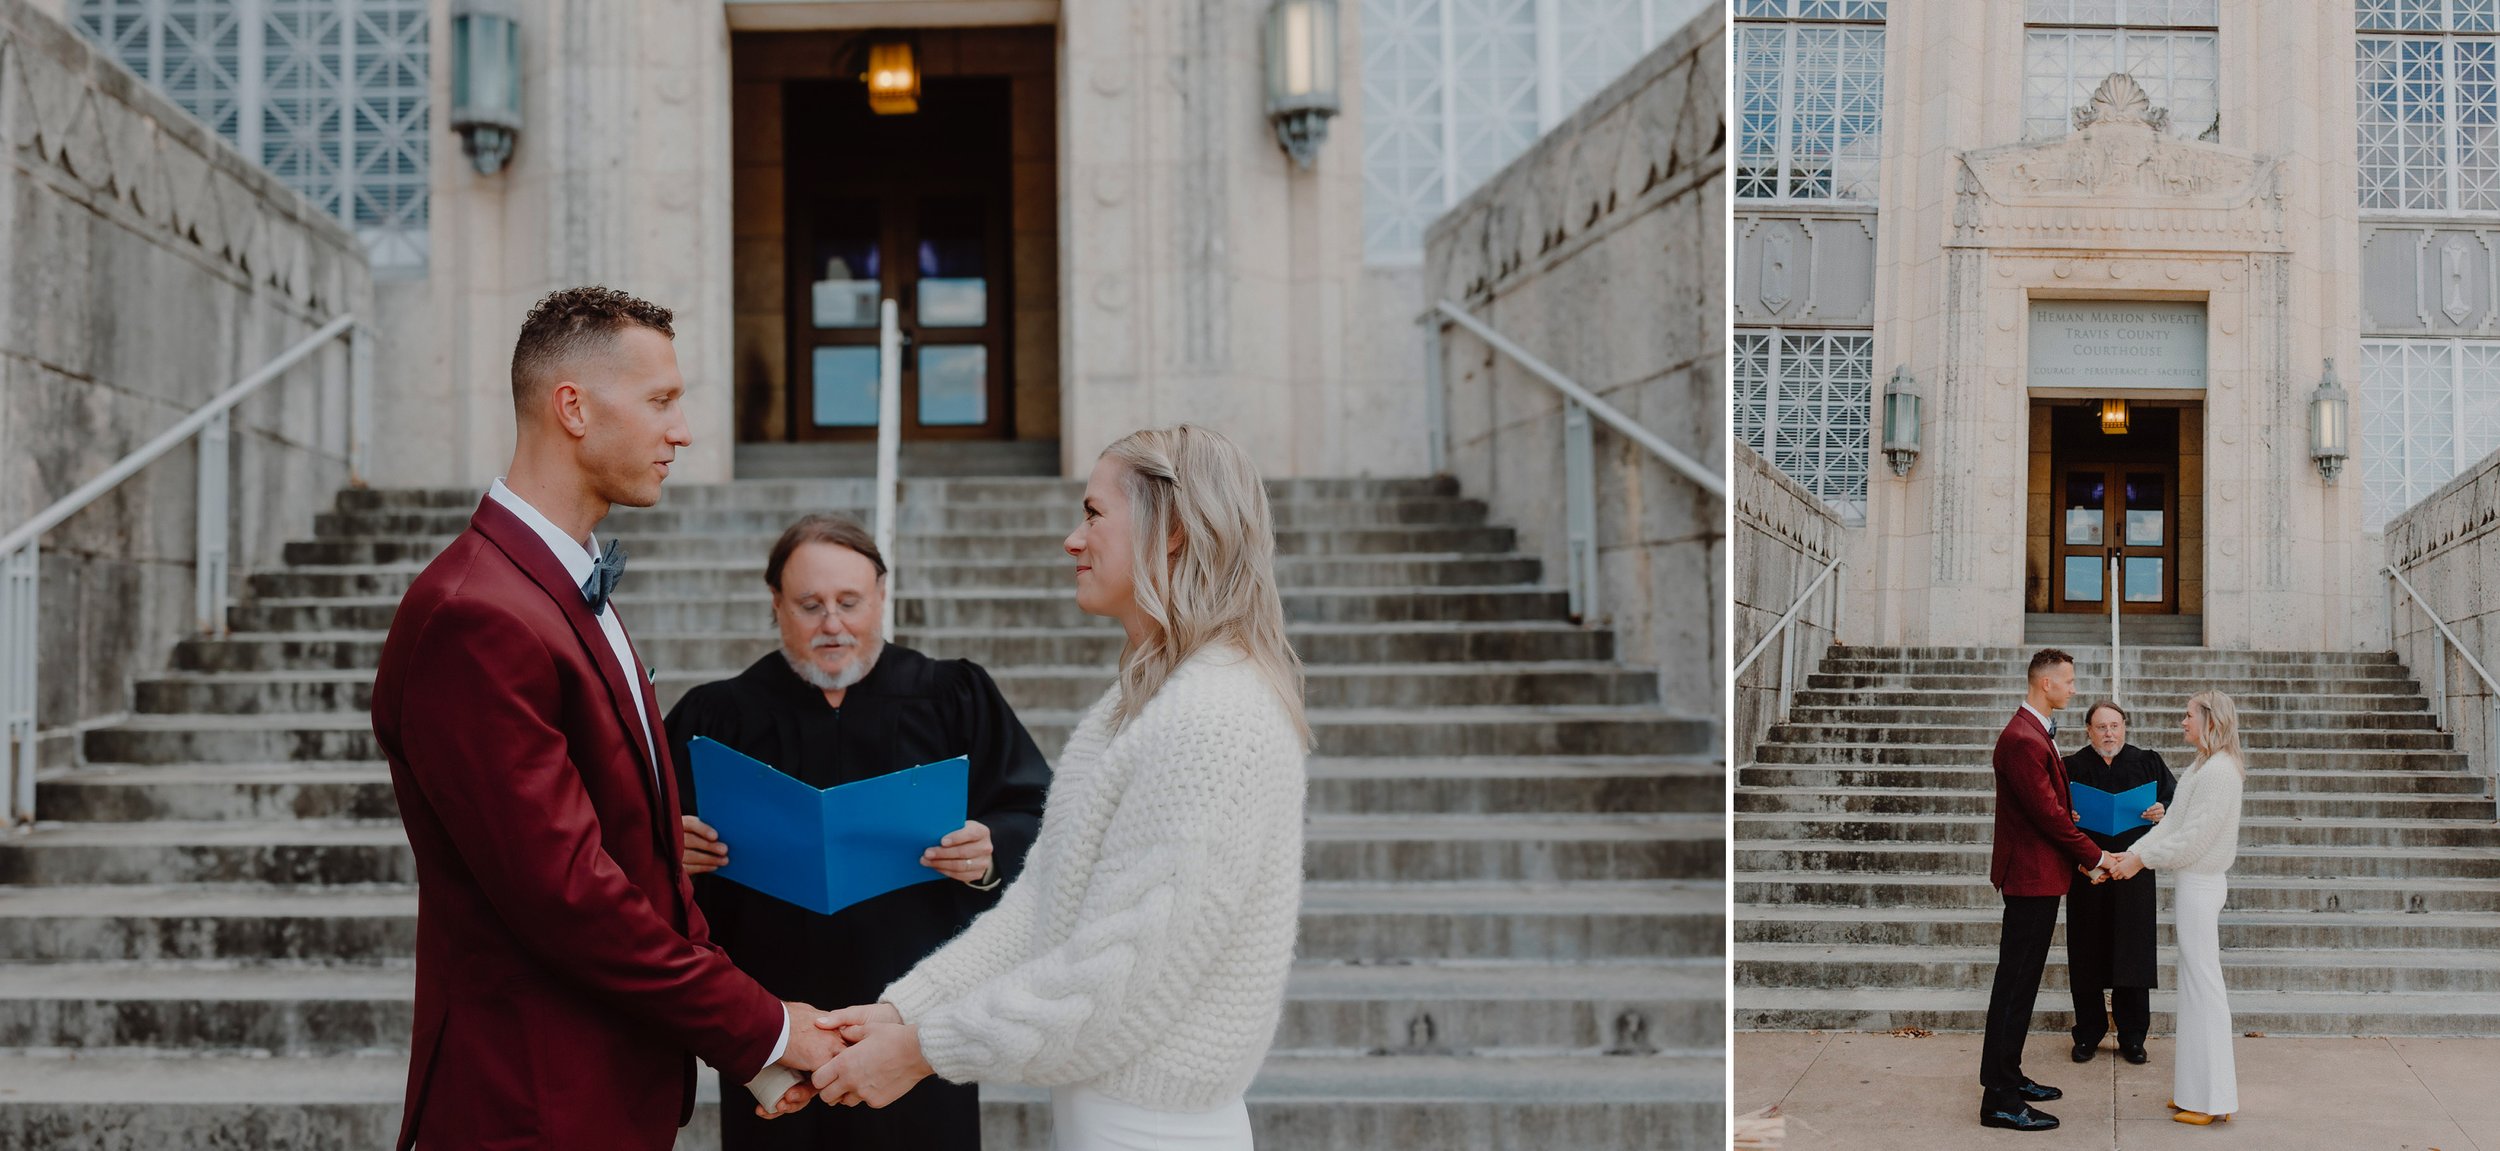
(1911, 1033)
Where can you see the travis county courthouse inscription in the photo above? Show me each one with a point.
(2105, 345)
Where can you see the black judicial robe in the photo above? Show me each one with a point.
(2110, 927)
(908, 710)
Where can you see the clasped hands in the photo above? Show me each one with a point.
(863, 1054)
(2122, 865)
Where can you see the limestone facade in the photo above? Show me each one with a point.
(1972, 223)
(1600, 251)
(149, 267)
(1784, 539)
(2448, 548)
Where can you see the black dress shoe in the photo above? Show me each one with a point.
(2017, 1118)
(2134, 1053)
(2083, 1051)
(2039, 1093)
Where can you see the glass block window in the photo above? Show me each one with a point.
(2169, 46)
(1809, 100)
(2429, 409)
(329, 95)
(1806, 401)
(1453, 90)
(2428, 127)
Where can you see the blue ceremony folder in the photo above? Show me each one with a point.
(2102, 813)
(827, 849)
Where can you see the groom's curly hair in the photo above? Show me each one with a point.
(570, 323)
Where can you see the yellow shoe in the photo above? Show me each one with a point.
(2198, 1118)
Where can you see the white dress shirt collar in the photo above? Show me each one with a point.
(568, 551)
(2046, 725)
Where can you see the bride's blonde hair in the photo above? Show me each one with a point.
(1203, 565)
(2222, 727)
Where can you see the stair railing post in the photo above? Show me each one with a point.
(18, 623)
(2439, 678)
(1436, 400)
(1788, 668)
(1580, 510)
(889, 442)
(209, 575)
(2115, 675)
(359, 406)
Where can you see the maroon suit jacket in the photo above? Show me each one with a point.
(565, 978)
(2038, 845)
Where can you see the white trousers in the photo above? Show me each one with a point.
(1083, 1119)
(2204, 1079)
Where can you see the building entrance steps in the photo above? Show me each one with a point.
(1513, 923)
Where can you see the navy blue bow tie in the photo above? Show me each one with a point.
(604, 574)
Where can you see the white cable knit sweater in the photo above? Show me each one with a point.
(2200, 833)
(1144, 950)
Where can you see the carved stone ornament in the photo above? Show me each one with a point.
(2120, 100)
(1775, 261)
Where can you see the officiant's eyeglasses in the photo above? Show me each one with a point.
(815, 610)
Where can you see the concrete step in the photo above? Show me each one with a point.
(914, 516)
(1445, 684)
(2362, 970)
(744, 575)
(911, 551)
(1041, 607)
(797, 494)
(2072, 628)
(1501, 731)
(1979, 777)
(1887, 802)
(2167, 687)
(1760, 856)
(128, 793)
(1924, 657)
(1056, 647)
(2386, 933)
(1300, 1102)
(2262, 759)
(1845, 893)
(1364, 848)
(79, 921)
(2254, 737)
(2255, 831)
(1483, 1009)
(1961, 1008)
(1038, 458)
(2301, 713)
(1999, 703)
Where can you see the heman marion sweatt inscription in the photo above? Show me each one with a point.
(2113, 345)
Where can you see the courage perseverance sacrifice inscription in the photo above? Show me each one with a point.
(2115, 345)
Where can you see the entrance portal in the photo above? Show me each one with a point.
(2117, 515)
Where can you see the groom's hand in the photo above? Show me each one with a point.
(812, 1045)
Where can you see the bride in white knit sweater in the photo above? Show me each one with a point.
(2195, 842)
(1137, 967)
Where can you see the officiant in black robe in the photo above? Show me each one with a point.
(2110, 930)
(836, 705)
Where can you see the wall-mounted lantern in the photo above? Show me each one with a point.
(1302, 74)
(1901, 421)
(2330, 425)
(893, 78)
(486, 80)
(2113, 417)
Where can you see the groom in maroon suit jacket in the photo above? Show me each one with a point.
(2036, 843)
(565, 979)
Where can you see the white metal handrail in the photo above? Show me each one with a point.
(20, 571)
(2439, 668)
(1579, 449)
(1785, 632)
(889, 445)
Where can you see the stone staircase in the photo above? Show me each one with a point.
(1511, 938)
(2365, 900)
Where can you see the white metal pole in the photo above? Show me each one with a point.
(2114, 673)
(889, 443)
(1580, 508)
(359, 406)
(209, 558)
(20, 582)
(1436, 398)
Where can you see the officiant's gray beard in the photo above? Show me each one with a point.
(853, 672)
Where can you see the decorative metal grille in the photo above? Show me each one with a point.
(329, 95)
(2178, 71)
(1811, 9)
(1455, 89)
(2424, 15)
(1810, 109)
(2429, 409)
(1806, 401)
(2429, 122)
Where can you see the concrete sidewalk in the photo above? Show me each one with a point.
(1859, 1091)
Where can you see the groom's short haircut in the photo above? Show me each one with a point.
(569, 325)
(2099, 706)
(2043, 660)
(821, 528)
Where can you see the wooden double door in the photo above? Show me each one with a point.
(2115, 498)
(913, 208)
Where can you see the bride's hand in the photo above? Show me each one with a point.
(880, 1068)
(851, 1020)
